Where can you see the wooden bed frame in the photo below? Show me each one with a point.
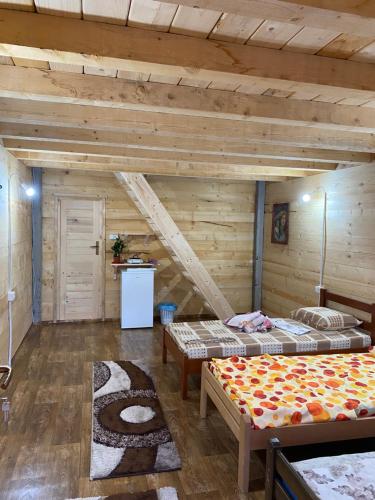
(250, 439)
(190, 366)
(326, 296)
(278, 465)
(187, 365)
(282, 478)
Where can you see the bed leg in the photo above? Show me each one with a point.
(164, 348)
(273, 444)
(244, 454)
(203, 405)
(184, 379)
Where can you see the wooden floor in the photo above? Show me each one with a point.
(45, 449)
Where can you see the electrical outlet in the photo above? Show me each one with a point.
(11, 295)
(317, 289)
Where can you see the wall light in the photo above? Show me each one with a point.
(306, 197)
(29, 190)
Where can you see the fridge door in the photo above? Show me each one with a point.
(137, 298)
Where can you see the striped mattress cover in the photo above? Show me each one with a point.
(208, 339)
(287, 390)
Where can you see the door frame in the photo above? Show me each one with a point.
(57, 247)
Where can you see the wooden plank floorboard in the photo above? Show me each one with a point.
(45, 451)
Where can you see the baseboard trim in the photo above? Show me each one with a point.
(179, 318)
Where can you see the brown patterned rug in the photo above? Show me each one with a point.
(130, 435)
(161, 494)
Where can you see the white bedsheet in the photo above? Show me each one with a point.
(343, 477)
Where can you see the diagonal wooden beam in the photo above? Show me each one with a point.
(336, 15)
(159, 219)
(184, 302)
(75, 41)
(167, 289)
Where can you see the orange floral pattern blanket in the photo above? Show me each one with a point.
(281, 390)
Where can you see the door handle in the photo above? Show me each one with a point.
(96, 246)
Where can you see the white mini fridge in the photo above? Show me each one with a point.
(137, 297)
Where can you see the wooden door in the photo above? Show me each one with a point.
(81, 259)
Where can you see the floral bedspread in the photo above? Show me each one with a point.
(340, 478)
(280, 390)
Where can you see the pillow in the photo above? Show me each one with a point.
(323, 318)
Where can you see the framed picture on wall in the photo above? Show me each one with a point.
(280, 223)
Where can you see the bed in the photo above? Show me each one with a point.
(318, 472)
(299, 400)
(190, 344)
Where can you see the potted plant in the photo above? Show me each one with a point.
(117, 248)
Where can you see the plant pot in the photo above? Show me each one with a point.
(116, 259)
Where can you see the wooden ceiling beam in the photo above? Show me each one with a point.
(249, 152)
(200, 112)
(162, 156)
(74, 41)
(343, 16)
(259, 134)
(178, 169)
(163, 167)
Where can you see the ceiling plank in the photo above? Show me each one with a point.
(110, 11)
(69, 8)
(251, 151)
(75, 41)
(134, 154)
(72, 88)
(177, 169)
(344, 16)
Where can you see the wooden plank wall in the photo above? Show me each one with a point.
(216, 218)
(291, 272)
(21, 250)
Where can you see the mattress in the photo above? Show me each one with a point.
(343, 477)
(208, 339)
(287, 390)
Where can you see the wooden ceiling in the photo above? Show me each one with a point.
(248, 90)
